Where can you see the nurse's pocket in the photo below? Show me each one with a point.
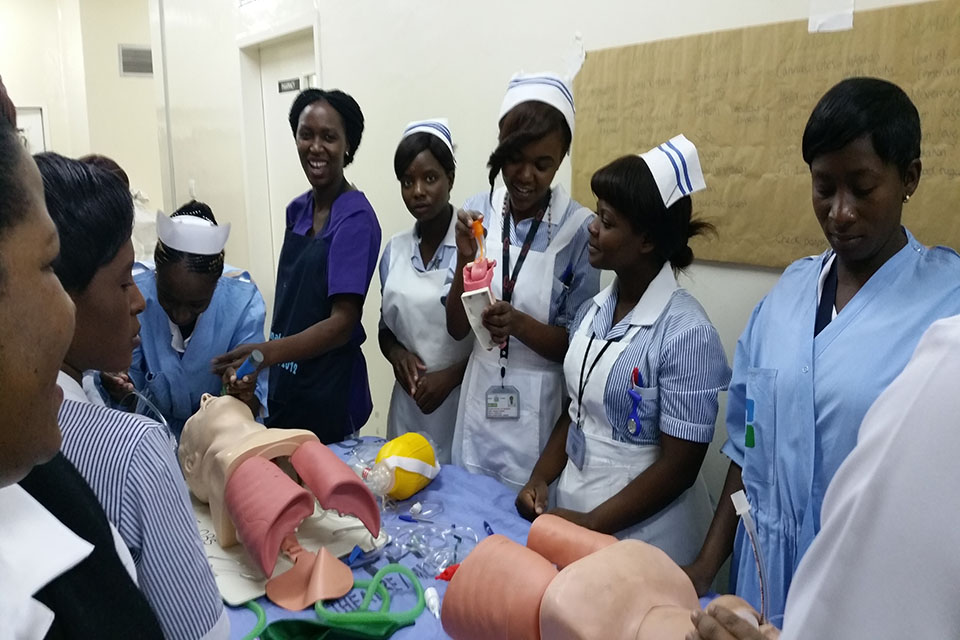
(760, 438)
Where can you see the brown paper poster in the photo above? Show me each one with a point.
(744, 96)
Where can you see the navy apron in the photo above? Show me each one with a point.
(310, 394)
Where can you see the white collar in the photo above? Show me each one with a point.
(35, 548)
(176, 336)
(653, 301)
(449, 239)
(823, 279)
(73, 390)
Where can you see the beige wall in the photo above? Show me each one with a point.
(41, 61)
(62, 55)
(201, 120)
(122, 110)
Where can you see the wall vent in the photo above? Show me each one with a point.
(135, 60)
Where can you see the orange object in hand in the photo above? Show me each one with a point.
(477, 226)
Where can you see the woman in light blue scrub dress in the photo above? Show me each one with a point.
(832, 334)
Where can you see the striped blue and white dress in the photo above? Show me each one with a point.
(658, 371)
(130, 463)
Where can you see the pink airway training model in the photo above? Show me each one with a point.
(314, 576)
(478, 274)
(265, 506)
(335, 484)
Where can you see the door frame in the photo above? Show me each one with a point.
(256, 182)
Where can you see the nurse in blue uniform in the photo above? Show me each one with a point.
(644, 368)
(193, 313)
(318, 375)
(428, 364)
(538, 236)
(832, 334)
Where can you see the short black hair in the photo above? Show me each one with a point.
(108, 164)
(342, 103)
(415, 144)
(12, 194)
(93, 212)
(856, 107)
(627, 185)
(12, 206)
(525, 123)
(195, 262)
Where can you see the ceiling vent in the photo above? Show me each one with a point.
(135, 60)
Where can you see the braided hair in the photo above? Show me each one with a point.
(194, 262)
(342, 103)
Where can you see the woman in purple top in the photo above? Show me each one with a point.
(318, 377)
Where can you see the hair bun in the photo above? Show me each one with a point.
(682, 257)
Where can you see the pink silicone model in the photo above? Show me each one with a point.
(496, 592)
(314, 576)
(629, 578)
(628, 590)
(226, 460)
(478, 274)
(222, 435)
(266, 506)
(335, 484)
(216, 440)
(562, 542)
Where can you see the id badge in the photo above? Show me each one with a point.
(576, 445)
(503, 403)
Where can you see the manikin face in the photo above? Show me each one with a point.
(220, 423)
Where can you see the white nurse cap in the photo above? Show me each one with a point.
(191, 234)
(438, 127)
(675, 166)
(540, 87)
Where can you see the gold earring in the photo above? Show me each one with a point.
(906, 197)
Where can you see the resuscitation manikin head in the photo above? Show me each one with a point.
(606, 589)
(222, 437)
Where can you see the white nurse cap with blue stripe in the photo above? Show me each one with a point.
(675, 166)
(438, 127)
(540, 87)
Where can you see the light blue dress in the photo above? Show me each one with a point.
(799, 399)
(174, 381)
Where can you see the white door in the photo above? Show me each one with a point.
(290, 62)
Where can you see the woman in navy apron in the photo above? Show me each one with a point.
(318, 377)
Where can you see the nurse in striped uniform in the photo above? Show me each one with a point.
(643, 369)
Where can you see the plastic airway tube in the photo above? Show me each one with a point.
(742, 506)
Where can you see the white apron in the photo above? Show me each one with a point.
(680, 528)
(508, 449)
(412, 310)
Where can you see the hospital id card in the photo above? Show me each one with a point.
(503, 403)
(576, 445)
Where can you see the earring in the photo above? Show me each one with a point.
(906, 198)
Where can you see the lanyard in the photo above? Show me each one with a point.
(583, 367)
(508, 282)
